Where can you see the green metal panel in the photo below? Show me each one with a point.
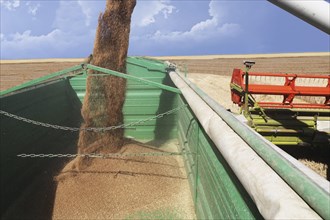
(58, 101)
(144, 98)
(54, 103)
(217, 192)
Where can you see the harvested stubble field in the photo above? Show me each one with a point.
(210, 73)
(15, 72)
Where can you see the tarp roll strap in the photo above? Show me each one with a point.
(273, 197)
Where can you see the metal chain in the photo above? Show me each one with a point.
(93, 129)
(95, 155)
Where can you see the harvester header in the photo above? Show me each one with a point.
(289, 90)
(285, 108)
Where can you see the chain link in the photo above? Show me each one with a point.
(95, 155)
(92, 129)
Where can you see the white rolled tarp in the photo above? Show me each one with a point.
(272, 196)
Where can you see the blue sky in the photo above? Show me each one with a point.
(66, 29)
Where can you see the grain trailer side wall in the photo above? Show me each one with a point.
(143, 101)
(54, 103)
(216, 191)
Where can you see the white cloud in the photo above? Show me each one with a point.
(216, 10)
(55, 43)
(75, 16)
(10, 4)
(33, 8)
(2, 37)
(26, 40)
(212, 27)
(70, 18)
(69, 33)
(145, 12)
(87, 10)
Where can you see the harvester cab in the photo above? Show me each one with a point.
(287, 109)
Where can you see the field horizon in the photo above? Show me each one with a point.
(190, 57)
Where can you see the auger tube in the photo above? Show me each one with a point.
(316, 13)
(315, 196)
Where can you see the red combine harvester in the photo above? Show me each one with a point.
(286, 112)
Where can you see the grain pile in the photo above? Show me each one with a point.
(131, 187)
(105, 95)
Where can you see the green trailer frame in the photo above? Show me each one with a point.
(56, 99)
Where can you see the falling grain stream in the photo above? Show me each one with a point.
(154, 187)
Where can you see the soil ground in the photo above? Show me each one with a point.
(16, 72)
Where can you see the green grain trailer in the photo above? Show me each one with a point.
(233, 172)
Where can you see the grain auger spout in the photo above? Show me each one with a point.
(287, 109)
